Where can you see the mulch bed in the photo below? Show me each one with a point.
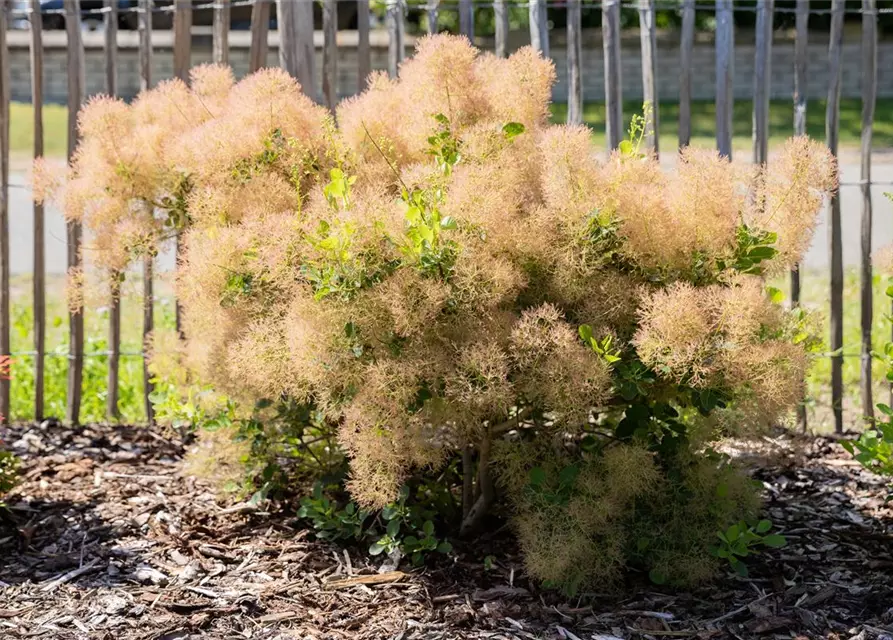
(110, 541)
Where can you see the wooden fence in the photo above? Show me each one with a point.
(296, 55)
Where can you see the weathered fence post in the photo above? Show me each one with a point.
(801, 50)
(111, 88)
(869, 93)
(686, 46)
(432, 12)
(466, 19)
(5, 79)
(574, 57)
(330, 54)
(145, 54)
(761, 78)
(648, 38)
(539, 27)
(364, 57)
(295, 21)
(111, 47)
(501, 18)
(182, 64)
(260, 31)
(39, 281)
(396, 44)
(182, 38)
(220, 32)
(76, 83)
(725, 51)
(832, 126)
(613, 93)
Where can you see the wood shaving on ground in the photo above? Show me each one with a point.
(112, 542)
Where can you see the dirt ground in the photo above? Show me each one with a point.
(108, 540)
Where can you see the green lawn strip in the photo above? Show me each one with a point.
(781, 119)
(96, 330)
(55, 122)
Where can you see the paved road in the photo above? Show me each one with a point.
(21, 229)
(21, 221)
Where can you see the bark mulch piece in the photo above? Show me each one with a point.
(112, 542)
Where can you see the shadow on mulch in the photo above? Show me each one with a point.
(112, 542)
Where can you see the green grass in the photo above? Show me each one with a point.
(703, 124)
(95, 387)
(55, 130)
(781, 118)
(815, 295)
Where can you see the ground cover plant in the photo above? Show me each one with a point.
(874, 446)
(443, 301)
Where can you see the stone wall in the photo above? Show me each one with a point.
(703, 76)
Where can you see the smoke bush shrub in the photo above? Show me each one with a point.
(443, 273)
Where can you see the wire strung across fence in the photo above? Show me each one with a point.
(295, 21)
(454, 5)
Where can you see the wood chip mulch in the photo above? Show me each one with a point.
(106, 539)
